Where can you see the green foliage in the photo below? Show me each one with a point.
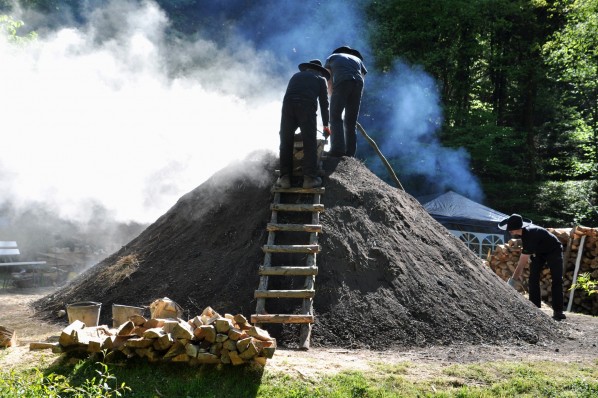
(518, 81)
(35, 384)
(567, 203)
(495, 150)
(585, 283)
(9, 27)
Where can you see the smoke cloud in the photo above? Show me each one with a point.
(91, 114)
(116, 110)
(407, 116)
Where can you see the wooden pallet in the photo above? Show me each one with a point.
(309, 271)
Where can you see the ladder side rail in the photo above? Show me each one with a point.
(307, 307)
(263, 285)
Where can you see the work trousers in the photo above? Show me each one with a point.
(554, 261)
(297, 114)
(346, 96)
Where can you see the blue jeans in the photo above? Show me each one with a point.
(346, 96)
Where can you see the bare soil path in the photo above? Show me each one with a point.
(579, 343)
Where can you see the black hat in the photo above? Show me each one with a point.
(515, 221)
(315, 64)
(348, 50)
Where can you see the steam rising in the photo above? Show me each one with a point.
(118, 112)
(91, 116)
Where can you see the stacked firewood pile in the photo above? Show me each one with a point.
(207, 338)
(503, 262)
(580, 245)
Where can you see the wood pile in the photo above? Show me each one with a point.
(8, 337)
(207, 338)
(580, 244)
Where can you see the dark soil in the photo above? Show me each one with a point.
(389, 274)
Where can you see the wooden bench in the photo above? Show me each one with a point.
(9, 253)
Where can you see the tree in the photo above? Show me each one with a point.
(573, 54)
(10, 28)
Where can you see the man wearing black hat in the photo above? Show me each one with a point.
(348, 71)
(544, 249)
(299, 109)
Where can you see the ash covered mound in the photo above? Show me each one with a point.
(389, 274)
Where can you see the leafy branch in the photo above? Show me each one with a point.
(585, 283)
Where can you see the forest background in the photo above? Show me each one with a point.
(517, 82)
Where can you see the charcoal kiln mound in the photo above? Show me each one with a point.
(389, 274)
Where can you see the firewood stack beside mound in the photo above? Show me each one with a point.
(580, 245)
(207, 338)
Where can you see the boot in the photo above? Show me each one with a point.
(283, 182)
(312, 182)
(559, 316)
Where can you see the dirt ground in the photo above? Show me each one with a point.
(579, 344)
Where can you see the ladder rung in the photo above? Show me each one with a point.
(282, 318)
(302, 207)
(288, 270)
(291, 249)
(319, 190)
(294, 227)
(284, 293)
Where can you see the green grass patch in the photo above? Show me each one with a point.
(405, 379)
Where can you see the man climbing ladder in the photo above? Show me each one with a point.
(299, 109)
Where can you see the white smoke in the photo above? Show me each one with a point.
(94, 114)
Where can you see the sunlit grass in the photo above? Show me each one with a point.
(403, 379)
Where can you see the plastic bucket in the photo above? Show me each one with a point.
(121, 313)
(87, 312)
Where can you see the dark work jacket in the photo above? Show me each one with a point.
(309, 87)
(537, 240)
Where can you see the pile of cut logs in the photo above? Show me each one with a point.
(580, 245)
(207, 338)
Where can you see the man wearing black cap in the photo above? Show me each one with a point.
(544, 249)
(299, 109)
(348, 71)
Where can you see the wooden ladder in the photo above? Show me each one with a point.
(310, 270)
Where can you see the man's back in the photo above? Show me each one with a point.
(305, 86)
(345, 67)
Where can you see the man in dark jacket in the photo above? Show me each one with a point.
(348, 72)
(299, 109)
(544, 249)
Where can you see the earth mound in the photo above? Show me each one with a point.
(389, 274)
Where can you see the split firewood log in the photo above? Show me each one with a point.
(8, 337)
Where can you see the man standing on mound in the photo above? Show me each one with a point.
(348, 73)
(299, 109)
(544, 249)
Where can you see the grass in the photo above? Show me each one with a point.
(405, 379)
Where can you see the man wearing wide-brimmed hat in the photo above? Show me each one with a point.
(544, 249)
(348, 71)
(299, 109)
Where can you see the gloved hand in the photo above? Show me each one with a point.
(327, 132)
